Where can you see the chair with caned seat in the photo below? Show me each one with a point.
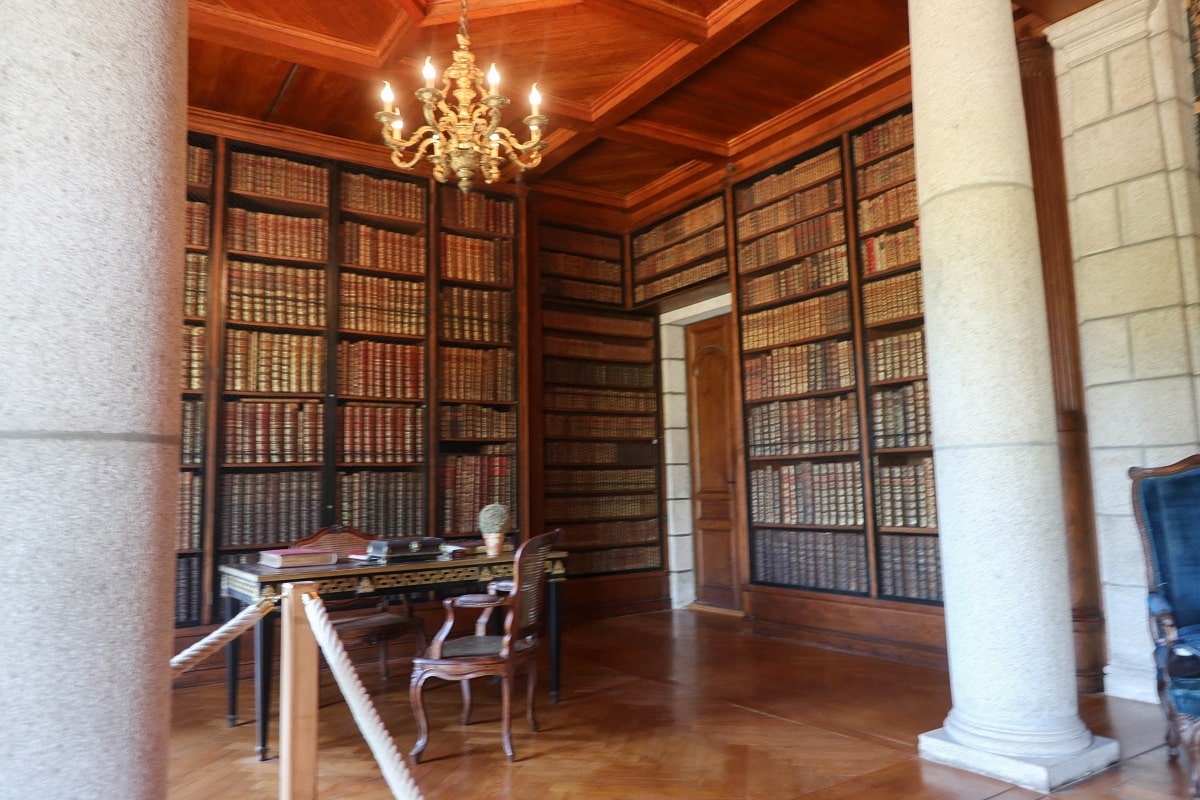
(384, 623)
(480, 654)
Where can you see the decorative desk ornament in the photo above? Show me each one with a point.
(494, 523)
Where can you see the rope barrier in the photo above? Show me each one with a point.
(221, 636)
(383, 747)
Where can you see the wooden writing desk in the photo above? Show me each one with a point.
(249, 583)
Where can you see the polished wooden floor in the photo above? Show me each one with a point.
(680, 704)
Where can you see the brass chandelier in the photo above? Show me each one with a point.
(463, 136)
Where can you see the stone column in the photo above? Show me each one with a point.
(1128, 128)
(1008, 611)
(92, 128)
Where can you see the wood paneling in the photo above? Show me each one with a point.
(660, 91)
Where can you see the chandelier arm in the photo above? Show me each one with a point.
(513, 144)
(399, 146)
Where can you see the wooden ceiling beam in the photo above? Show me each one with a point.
(224, 26)
(657, 17)
(1055, 10)
(733, 22)
(664, 138)
(445, 12)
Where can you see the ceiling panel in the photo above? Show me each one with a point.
(635, 89)
(361, 21)
(614, 168)
(233, 81)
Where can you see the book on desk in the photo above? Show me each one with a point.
(297, 557)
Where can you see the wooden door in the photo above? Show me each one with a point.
(712, 364)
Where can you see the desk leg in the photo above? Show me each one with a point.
(264, 645)
(554, 623)
(233, 657)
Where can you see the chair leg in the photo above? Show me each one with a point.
(418, 706)
(530, 686)
(1190, 736)
(383, 658)
(465, 683)
(1173, 725)
(506, 714)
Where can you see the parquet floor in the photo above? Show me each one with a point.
(677, 704)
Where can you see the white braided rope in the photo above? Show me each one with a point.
(221, 636)
(383, 747)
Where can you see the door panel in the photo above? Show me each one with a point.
(711, 361)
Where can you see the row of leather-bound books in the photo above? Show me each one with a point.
(272, 176)
(609, 294)
(195, 284)
(807, 493)
(815, 366)
(476, 422)
(823, 315)
(481, 315)
(578, 266)
(281, 235)
(269, 507)
(805, 236)
(477, 211)
(598, 373)
(274, 294)
(891, 134)
(713, 267)
(889, 171)
(566, 241)
(803, 427)
(709, 214)
(478, 375)
(634, 479)
(829, 560)
(825, 268)
(893, 297)
(631, 506)
(778, 184)
(711, 241)
(587, 426)
(467, 258)
(614, 559)
(600, 453)
(380, 434)
(628, 401)
(890, 208)
(470, 482)
(900, 415)
(390, 504)
(823, 197)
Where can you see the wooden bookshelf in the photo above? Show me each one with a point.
(889, 263)
(189, 546)
(602, 474)
(581, 266)
(477, 359)
(838, 454)
(350, 352)
(382, 426)
(681, 253)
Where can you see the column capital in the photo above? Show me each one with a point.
(1108, 26)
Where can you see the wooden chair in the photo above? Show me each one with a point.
(1166, 502)
(478, 655)
(381, 626)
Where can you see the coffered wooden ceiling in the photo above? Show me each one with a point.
(644, 96)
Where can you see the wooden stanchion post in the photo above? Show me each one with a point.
(298, 698)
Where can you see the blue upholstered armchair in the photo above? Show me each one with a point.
(1166, 501)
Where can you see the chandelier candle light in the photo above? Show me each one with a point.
(464, 136)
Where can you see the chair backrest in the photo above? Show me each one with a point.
(1166, 502)
(341, 539)
(529, 582)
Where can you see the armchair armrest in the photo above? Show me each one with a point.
(1163, 615)
(484, 602)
